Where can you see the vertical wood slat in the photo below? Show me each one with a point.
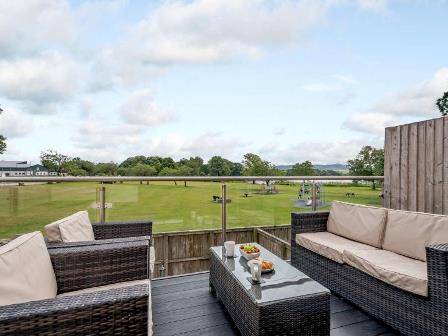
(395, 172)
(421, 167)
(438, 166)
(416, 166)
(429, 183)
(404, 148)
(445, 166)
(412, 166)
(387, 167)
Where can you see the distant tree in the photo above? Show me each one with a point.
(253, 165)
(305, 168)
(106, 169)
(218, 166)
(236, 169)
(79, 167)
(133, 161)
(195, 163)
(442, 104)
(368, 162)
(167, 162)
(2, 144)
(141, 169)
(328, 172)
(55, 161)
(2, 140)
(169, 172)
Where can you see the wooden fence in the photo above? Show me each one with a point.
(188, 251)
(415, 167)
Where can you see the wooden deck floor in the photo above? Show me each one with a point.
(184, 306)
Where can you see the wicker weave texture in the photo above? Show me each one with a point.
(406, 312)
(302, 315)
(122, 311)
(111, 230)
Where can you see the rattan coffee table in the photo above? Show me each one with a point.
(286, 302)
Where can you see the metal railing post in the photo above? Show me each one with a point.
(313, 197)
(102, 204)
(224, 211)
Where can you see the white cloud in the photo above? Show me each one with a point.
(320, 87)
(338, 151)
(39, 81)
(400, 107)
(346, 79)
(219, 30)
(415, 101)
(374, 123)
(140, 109)
(334, 83)
(213, 143)
(380, 6)
(14, 123)
(27, 25)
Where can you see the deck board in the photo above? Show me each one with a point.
(183, 306)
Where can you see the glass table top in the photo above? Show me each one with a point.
(284, 282)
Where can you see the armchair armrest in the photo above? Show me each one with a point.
(99, 242)
(111, 230)
(437, 262)
(303, 222)
(122, 311)
(79, 267)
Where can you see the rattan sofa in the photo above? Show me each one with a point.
(118, 311)
(407, 312)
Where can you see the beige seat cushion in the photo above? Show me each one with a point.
(362, 223)
(408, 233)
(74, 228)
(26, 272)
(329, 245)
(397, 270)
(119, 285)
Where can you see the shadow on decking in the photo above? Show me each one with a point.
(183, 305)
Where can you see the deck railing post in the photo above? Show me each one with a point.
(224, 211)
(313, 197)
(102, 204)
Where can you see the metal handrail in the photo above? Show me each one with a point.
(184, 178)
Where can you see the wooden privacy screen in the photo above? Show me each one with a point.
(415, 166)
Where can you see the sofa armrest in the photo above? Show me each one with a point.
(111, 230)
(437, 263)
(303, 222)
(122, 311)
(80, 267)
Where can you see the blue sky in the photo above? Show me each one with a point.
(290, 80)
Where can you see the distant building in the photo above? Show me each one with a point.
(23, 168)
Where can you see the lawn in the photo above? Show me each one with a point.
(171, 207)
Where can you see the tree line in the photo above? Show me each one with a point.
(368, 162)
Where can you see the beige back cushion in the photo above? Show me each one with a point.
(76, 227)
(407, 233)
(26, 272)
(361, 223)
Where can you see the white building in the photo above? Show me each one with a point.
(23, 168)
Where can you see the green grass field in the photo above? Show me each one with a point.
(170, 207)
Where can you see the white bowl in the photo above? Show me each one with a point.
(249, 256)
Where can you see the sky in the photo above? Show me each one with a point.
(290, 80)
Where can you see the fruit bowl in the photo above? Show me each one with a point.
(249, 251)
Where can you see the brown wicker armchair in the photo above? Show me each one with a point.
(118, 311)
(112, 232)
